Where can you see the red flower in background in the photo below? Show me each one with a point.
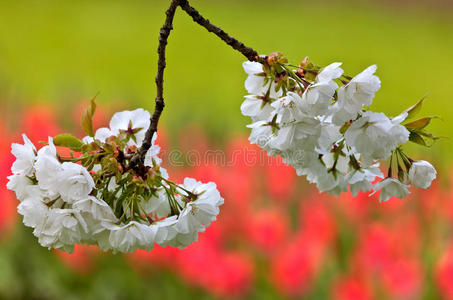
(280, 180)
(267, 229)
(38, 123)
(8, 213)
(351, 288)
(374, 250)
(444, 274)
(402, 278)
(355, 209)
(271, 217)
(317, 223)
(159, 257)
(292, 268)
(80, 260)
(8, 202)
(223, 273)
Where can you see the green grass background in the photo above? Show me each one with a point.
(65, 51)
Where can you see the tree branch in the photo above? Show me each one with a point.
(139, 158)
(248, 52)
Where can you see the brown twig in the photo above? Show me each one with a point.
(248, 52)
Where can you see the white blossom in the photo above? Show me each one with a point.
(360, 180)
(166, 230)
(48, 168)
(182, 240)
(339, 184)
(65, 206)
(62, 229)
(19, 184)
(329, 135)
(374, 136)
(257, 107)
(25, 157)
(139, 118)
(158, 204)
(74, 182)
(353, 96)
(296, 128)
(128, 238)
(96, 209)
(287, 108)
(390, 187)
(254, 84)
(199, 213)
(306, 163)
(261, 134)
(34, 211)
(339, 161)
(327, 181)
(317, 97)
(313, 117)
(152, 153)
(103, 133)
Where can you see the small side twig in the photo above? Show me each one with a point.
(249, 53)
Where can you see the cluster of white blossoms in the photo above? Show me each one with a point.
(97, 198)
(317, 120)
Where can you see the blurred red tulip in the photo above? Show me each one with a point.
(292, 268)
(294, 239)
(355, 209)
(402, 279)
(374, 251)
(351, 288)
(80, 260)
(225, 274)
(317, 222)
(8, 215)
(39, 122)
(444, 274)
(8, 201)
(267, 229)
(280, 179)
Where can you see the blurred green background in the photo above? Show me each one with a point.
(65, 51)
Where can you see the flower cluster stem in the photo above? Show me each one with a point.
(248, 52)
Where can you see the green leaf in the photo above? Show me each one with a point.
(419, 124)
(68, 141)
(415, 109)
(87, 117)
(416, 138)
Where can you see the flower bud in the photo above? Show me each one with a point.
(422, 173)
(131, 149)
(120, 168)
(137, 180)
(302, 64)
(276, 57)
